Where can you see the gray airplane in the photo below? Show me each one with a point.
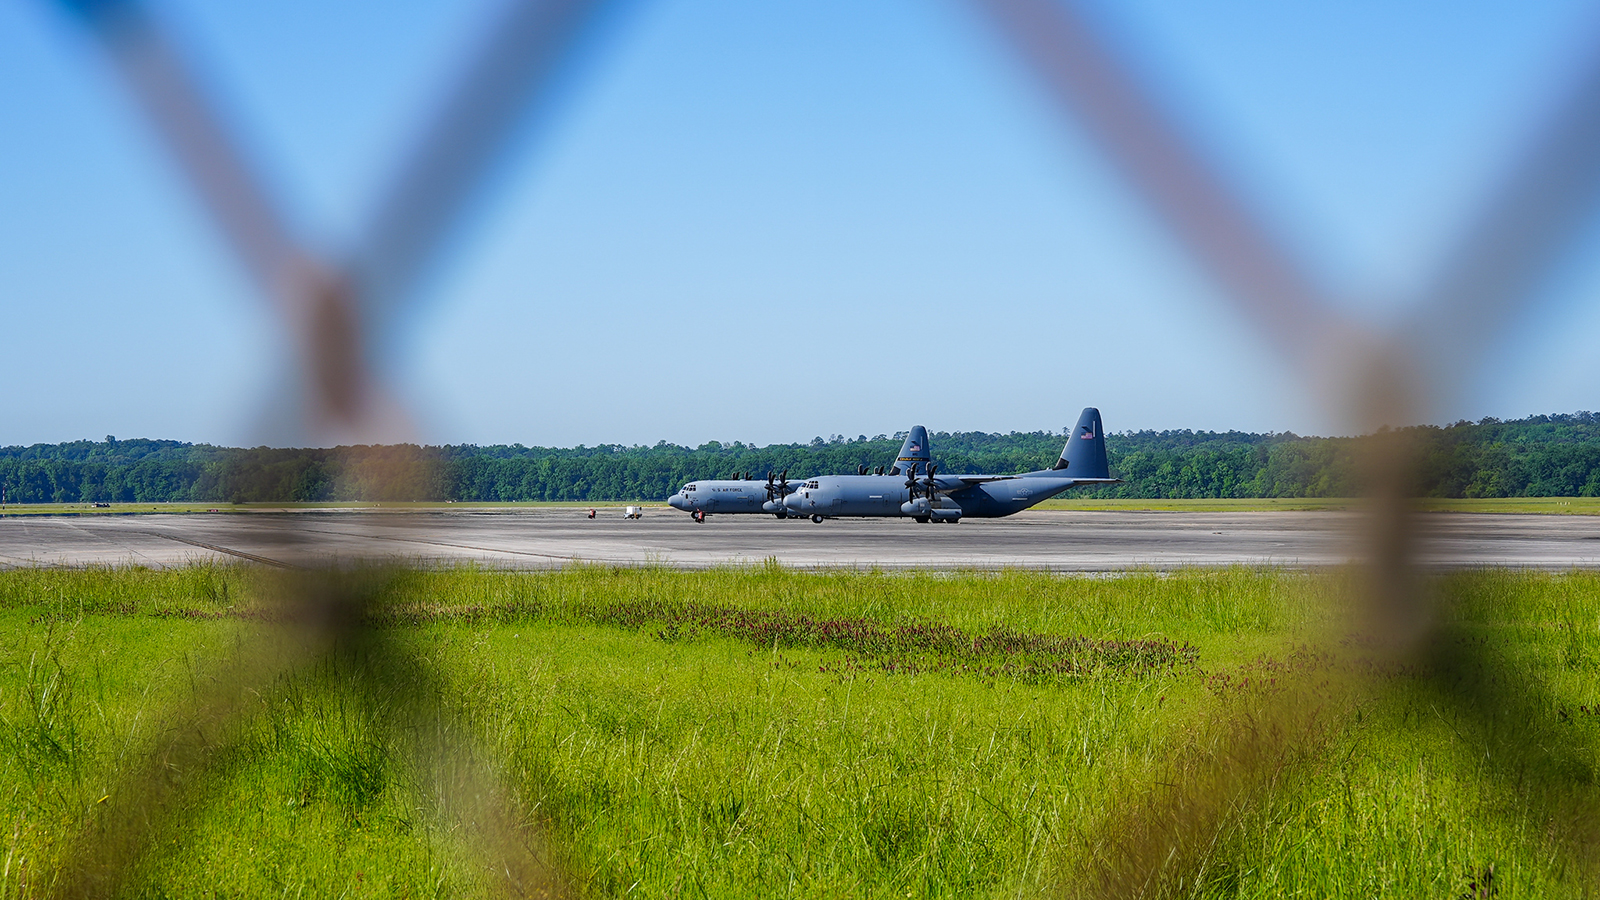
(747, 495)
(926, 496)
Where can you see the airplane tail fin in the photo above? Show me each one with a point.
(914, 450)
(1084, 456)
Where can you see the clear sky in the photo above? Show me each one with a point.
(769, 221)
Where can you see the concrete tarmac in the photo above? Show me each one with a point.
(551, 537)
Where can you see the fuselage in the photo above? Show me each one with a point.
(833, 496)
(743, 496)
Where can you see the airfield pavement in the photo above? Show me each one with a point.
(550, 537)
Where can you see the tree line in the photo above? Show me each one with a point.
(1553, 455)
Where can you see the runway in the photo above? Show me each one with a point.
(553, 537)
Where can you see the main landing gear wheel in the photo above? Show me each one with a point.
(780, 515)
(817, 519)
(922, 520)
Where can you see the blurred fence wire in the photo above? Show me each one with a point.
(334, 310)
(1530, 217)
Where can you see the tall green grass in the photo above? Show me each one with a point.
(753, 731)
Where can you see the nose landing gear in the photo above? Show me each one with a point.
(817, 519)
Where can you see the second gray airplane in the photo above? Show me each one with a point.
(915, 490)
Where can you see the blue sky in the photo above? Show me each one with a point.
(768, 221)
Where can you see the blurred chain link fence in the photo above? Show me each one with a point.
(1530, 218)
(1368, 374)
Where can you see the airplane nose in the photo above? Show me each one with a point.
(793, 501)
(676, 501)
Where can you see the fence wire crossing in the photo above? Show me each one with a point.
(1531, 215)
(332, 312)
(335, 309)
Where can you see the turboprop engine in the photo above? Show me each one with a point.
(929, 505)
(777, 489)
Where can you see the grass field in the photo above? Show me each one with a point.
(1586, 506)
(764, 732)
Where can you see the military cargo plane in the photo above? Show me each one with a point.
(743, 494)
(926, 496)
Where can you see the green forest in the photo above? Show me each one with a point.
(1539, 456)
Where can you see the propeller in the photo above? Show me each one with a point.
(911, 480)
(861, 470)
(780, 489)
(933, 493)
(880, 470)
